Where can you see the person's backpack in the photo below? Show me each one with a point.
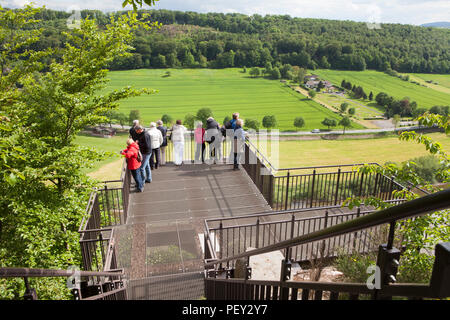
(139, 156)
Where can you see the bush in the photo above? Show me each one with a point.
(252, 124)
(167, 119)
(299, 122)
(354, 266)
(426, 168)
(269, 122)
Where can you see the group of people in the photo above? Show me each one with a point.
(146, 149)
(214, 134)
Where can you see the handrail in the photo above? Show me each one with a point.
(429, 203)
(43, 273)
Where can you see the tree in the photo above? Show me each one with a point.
(167, 119)
(226, 120)
(299, 122)
(329, 123)
(252, 124)
(344, 107)
(396, 120)
(189, 121)
(203, 114)
(345, 123)
(371, 96)
(351, 111)
(312, 93)
(301, 75)
(134, 115)
(269, 121)
(254, 72)
(39, 224)
(275, 74)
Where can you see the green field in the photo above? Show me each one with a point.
(442, 80)
(224, 91)
(377, 82)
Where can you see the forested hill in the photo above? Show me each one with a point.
(217, 40)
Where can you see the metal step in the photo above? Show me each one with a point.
(181, 286)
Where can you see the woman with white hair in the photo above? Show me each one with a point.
(239, 142)
(177, 137)
(157, 140)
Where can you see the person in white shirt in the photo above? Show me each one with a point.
(157, 140)
(177, 137)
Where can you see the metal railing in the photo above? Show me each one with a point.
(284, 289)
(106, 208)
(226, 237)
(105, 285)
(319, 186)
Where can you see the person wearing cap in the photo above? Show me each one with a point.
(157, 140)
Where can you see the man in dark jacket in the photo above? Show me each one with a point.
(133, 133)
(214, 137)
(163, 130)
(145, 146)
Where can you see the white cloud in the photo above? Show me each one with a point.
(386, 11)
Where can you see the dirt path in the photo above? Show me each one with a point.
(364, 123)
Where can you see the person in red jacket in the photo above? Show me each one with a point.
(131, 153)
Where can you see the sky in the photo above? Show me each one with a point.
(413, 12)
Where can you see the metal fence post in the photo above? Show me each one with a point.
(337, 187)
(312, 188)
(257, 233)
(287, 191)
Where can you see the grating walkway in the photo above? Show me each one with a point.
(161, 238)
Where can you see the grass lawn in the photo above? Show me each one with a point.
(331, 152)
(109, 168)
(361, 106)
(442, 80)
(224, 91)
(377, 82)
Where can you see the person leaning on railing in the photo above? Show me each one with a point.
(131, 153)
(177, 137)
(157, 140)
(239, 141)
(162, 149)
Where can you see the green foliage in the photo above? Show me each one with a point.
(311, 93)
(44, 192)
(329, 122)
(134, 115)
(252, 124)
(254, 72)
(167, 119)
(351, 111)
(344, 107)
(421, 234)
(203, 114)
(269, 121)
(189, 121)
(299, 122)
(345, 122)
(354, 266)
